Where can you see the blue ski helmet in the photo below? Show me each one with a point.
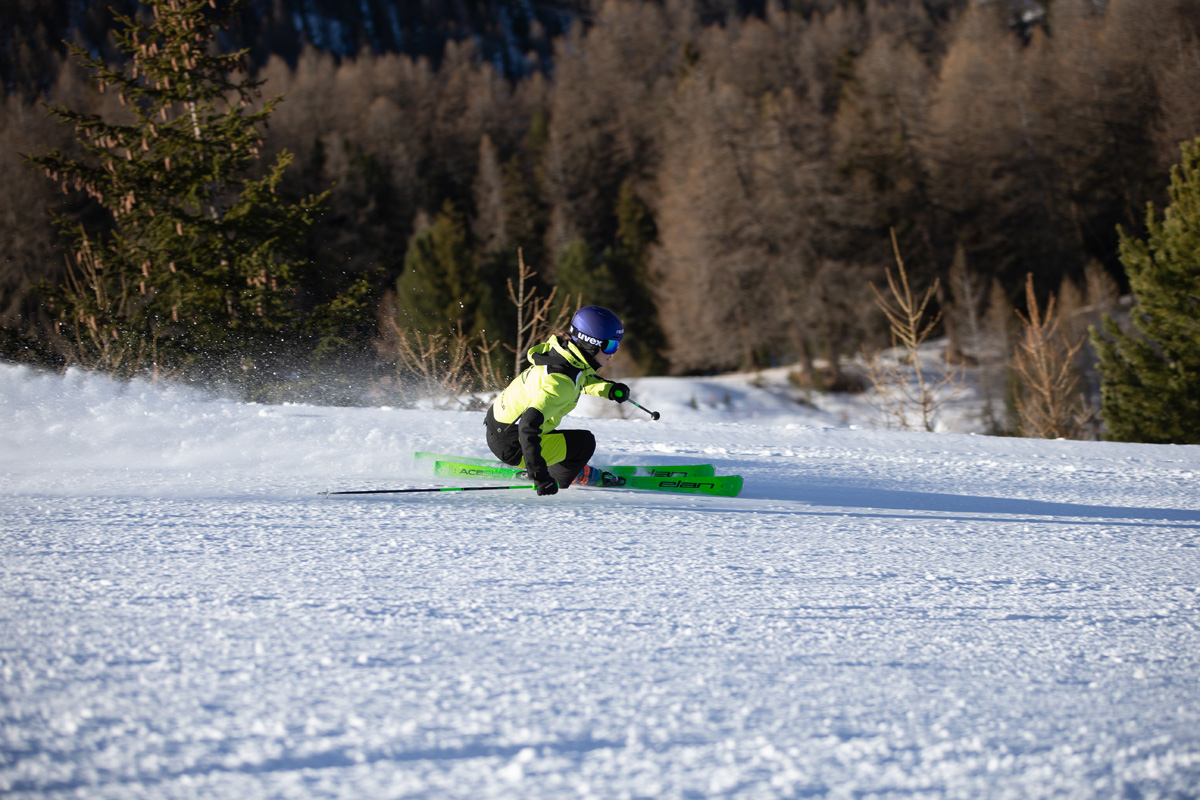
(596, 330)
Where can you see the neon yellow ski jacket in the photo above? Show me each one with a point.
(545, 392)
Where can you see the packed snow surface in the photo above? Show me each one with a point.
(880, 614)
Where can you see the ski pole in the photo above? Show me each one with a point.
(654, 415)
(438, 489)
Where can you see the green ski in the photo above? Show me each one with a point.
(721, 486)
(453, 469)
(622, 470)
(717, 485)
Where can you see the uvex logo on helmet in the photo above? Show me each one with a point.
(597, 329)
(592, 340)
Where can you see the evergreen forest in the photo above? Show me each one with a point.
(732, 178)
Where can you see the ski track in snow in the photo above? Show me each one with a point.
(879, 614)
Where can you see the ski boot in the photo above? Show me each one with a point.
(591, 476)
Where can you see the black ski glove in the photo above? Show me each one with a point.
(618, 392)
(544, 484)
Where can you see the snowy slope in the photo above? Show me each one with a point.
(879, 614)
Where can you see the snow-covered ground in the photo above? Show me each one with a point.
(880, 614)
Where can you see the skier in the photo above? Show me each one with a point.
(521, 422)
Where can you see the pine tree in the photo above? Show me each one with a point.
(636, 234)
(1150, 387)
(195, 268)
(580, 275)
(439, 291)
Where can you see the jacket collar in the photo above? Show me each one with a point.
(558, 352)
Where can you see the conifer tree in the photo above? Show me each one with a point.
(636, 234)
(196, 266)
(439, 290)
(580, 274)
(1150, 387)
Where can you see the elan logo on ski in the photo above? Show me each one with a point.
(686, 485)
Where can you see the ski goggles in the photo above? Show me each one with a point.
(606, 346)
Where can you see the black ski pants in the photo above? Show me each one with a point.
(504, 441)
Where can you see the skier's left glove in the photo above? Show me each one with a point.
(544, 484)
(618, 392)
